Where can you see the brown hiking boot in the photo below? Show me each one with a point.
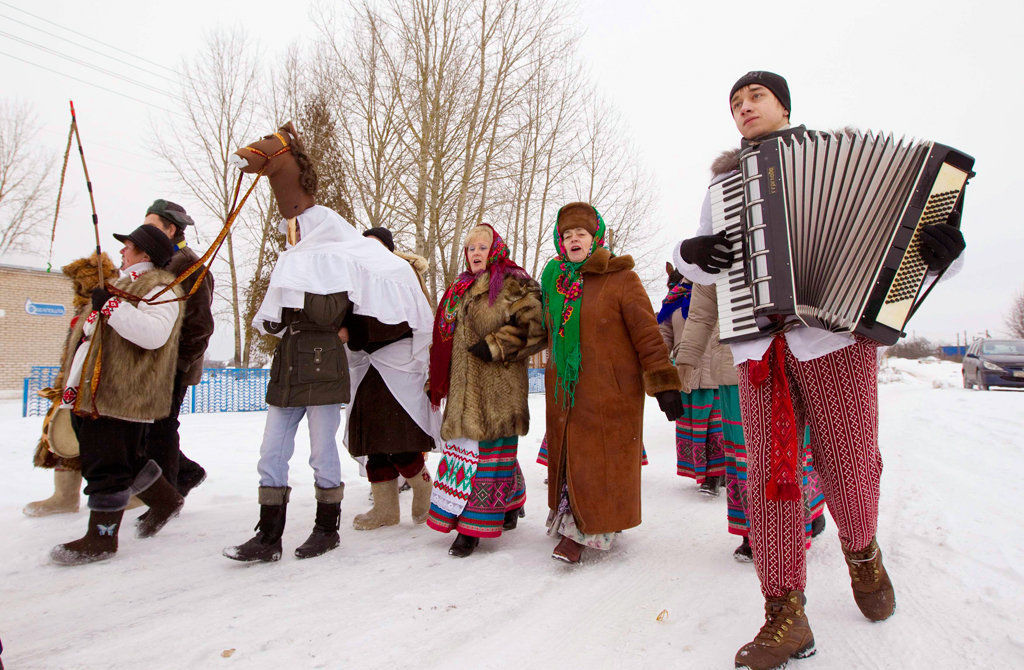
(872, 589)
(784, 635)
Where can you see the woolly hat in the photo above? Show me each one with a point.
(577, 215)
(773, 82)
(382, 234)
(152, 241)
(171, 212)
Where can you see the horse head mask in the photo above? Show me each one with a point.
(281, 158)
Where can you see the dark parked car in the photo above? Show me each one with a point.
(994, 363)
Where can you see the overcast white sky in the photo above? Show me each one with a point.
(938, 70)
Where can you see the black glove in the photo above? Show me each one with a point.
(711, 253)
(481, 351)
(100, 296)
(941, 243)
(671, 403)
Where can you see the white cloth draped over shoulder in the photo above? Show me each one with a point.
(332, 256)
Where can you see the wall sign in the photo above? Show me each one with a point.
(43, 309)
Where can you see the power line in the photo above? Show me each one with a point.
(79, 61)
(81, 34)
(83, 46)
(89, 83)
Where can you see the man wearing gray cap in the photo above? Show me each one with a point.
(163, 445)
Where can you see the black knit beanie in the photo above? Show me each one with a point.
(382, 234)
(773, 82)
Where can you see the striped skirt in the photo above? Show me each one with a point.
(498, 487)
(736, 469)
(700, 452)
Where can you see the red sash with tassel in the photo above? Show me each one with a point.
(782, 483)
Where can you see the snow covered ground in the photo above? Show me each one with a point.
(950, 528)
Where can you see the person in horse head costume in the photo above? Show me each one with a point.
(329, 277)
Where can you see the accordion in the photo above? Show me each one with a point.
(828, 227)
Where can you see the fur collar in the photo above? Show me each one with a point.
(418, 263)
(601, 262)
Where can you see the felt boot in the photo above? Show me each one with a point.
(189, 479)
(98, 544)
(421, 487)
(325, 528)
(67, 487)
(385, 507)
(164, 503)
(872, 589)
(266, 544)
(785, 634)
(463, 546)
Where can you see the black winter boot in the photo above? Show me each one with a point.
(463, 545)
(98, 544)
(512, 518)
(164, 503)
(266, 544)
(325, 531)
(711, 485)
(743, 554)
(818, 526)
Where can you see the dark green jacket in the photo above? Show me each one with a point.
(310, 366)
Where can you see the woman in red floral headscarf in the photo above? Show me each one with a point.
(487, 325)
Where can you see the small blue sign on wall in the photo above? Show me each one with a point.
(43, 309)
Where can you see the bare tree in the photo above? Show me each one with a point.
(218, 97)
(1015, 318)
(24, 180)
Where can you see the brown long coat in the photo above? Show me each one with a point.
(598, 441)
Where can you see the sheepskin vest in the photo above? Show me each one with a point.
(135, 383)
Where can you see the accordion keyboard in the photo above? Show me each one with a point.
(735, 300)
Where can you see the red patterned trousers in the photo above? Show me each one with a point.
(837, 394)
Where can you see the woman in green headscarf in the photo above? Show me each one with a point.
(606, 351)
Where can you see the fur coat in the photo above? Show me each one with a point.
(596, 445)
(487, 400)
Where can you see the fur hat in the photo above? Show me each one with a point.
(577, 215)
(773, 82)
(85, 278)
(152, 241)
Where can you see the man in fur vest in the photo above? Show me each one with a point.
(121, 362)
(163, 445)
(798, 370)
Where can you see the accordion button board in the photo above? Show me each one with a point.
(829, 229)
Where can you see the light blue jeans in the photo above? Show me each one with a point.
(279, 444)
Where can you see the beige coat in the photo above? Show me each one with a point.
(672, 333)
(699, 341)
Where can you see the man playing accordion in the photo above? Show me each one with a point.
(805, 376)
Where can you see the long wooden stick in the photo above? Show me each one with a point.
(92, 199)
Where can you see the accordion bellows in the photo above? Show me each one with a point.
(828, 226)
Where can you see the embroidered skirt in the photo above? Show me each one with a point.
(700, 452)
(498, 486)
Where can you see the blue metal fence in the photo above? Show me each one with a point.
(221, 390)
